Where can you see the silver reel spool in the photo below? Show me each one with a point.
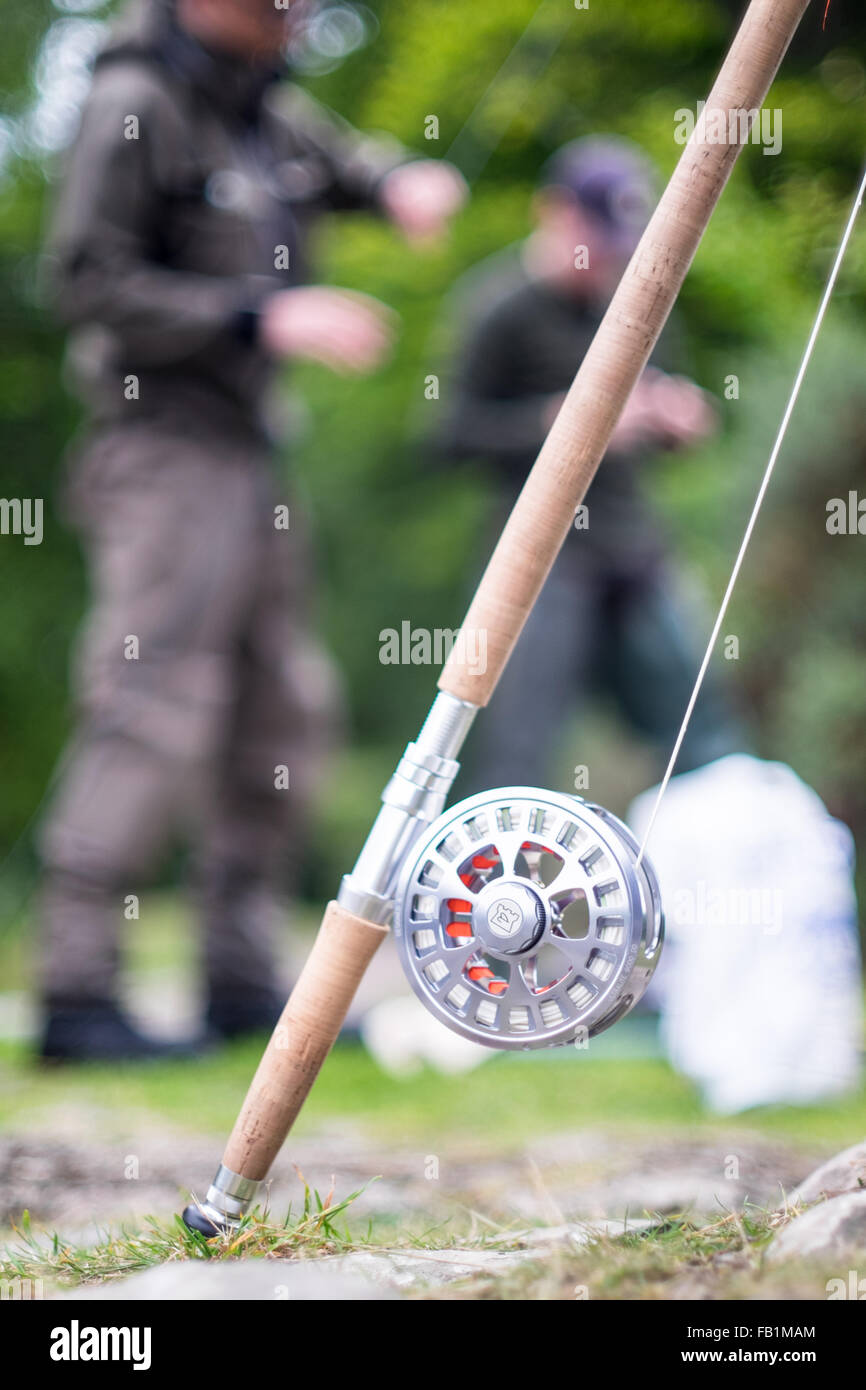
(524, 919)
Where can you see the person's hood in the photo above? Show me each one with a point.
(148, 31)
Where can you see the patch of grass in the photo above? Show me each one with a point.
(509, 1098)
(620, 1085)
(313, 1232)
(676, 1259)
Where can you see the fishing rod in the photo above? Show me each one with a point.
(480, 895)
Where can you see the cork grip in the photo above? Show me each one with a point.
(544, 512)
(302, 1039)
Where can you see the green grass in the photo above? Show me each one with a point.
(493, 1110)
(508, 1097)
(505, 1101)
(314, 1231)
(621, 1086)
(677, 1257)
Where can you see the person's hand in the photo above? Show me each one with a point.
(664, 411)
(421, 198)
(342, 329)
(683, 413)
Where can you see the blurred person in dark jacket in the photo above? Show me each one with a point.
(611, 617)
(178, 261)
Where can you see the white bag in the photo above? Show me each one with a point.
(759, 984)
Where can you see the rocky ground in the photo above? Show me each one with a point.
(71, 1183)
(636, 1195)
(466, 1219)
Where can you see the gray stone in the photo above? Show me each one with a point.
(362, 1274)
(832, 1229)
(417, 1269)
(293, 1281)
(584, 1232)
(844, 1172)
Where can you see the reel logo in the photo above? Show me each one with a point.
(505, 917)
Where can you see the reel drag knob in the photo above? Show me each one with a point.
(523, 919)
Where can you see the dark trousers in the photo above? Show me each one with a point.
(196, 682)
(634, 638)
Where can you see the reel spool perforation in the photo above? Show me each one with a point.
(525, 919)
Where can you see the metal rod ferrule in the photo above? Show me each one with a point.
(414, 797)
(230, 1195)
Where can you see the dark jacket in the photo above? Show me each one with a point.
(192, 181)
(519, 345)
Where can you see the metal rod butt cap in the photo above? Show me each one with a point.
(228, 1200)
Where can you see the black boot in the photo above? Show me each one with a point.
(240, 1012)
(96, 1030)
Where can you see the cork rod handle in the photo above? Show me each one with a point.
(544, 512)
(302, 1039)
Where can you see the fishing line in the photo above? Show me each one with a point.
(759, 500)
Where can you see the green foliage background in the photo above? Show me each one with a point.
(398, 538)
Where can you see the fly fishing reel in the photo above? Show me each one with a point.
(527, 918)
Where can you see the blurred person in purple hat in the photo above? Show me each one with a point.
(613, 618)
(743, 848)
